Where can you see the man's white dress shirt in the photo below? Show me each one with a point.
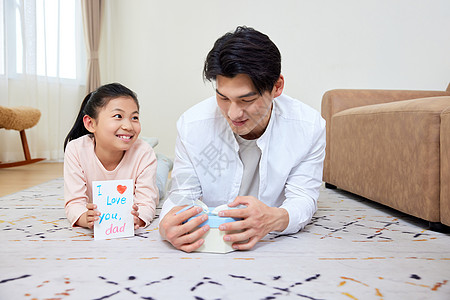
(207, 163)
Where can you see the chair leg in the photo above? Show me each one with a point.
(26, 152)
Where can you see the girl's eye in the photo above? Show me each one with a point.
(136, 118)
(118, 116)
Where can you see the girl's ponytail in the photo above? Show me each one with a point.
(78, 128)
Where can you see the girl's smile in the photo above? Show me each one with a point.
(125, 137)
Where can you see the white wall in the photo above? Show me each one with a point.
(157, 48)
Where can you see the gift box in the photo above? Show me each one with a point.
(214, 242)
(213, 239)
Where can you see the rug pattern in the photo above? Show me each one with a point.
(352, 249)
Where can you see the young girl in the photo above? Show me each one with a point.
(103, 144)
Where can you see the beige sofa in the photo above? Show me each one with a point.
(392, 147)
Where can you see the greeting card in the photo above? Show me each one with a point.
(114, 199)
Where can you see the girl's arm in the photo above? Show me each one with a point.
(146, 192)
(75, 190)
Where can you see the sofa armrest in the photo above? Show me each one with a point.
(445, 167)
(334, 101)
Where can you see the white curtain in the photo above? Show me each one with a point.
(42, 66)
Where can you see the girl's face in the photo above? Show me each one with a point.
(117, 125)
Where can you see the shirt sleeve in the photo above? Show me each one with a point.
(304, 181)
(75, 189)
(146, 191)
(185, 185)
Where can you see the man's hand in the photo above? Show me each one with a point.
(180, 234)
(258, 220)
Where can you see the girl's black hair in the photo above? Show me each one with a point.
(93, 102)
(245, 51)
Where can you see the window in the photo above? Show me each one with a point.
(2, 39)
(43, 37)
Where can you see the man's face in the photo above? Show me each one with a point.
(246, 111)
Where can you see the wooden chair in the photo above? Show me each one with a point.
(19, 118)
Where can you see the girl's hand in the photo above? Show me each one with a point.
(88, 218)
(137, 221)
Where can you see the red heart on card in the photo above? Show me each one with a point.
(121, 188)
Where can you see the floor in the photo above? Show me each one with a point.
(352, 249)
(19, 178)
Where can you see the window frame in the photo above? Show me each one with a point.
(10, 46)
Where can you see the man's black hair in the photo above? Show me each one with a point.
(245, 51)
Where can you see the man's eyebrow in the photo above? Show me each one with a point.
(249, 94)
(217, 91)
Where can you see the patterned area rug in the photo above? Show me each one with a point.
(353, 249)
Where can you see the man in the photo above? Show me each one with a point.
(250, 147)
